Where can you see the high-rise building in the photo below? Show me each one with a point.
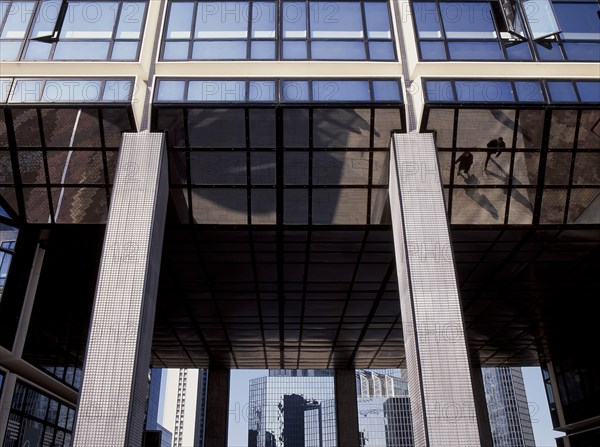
(299, 185)
(508, 407)
(156, 396)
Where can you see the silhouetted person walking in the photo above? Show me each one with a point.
(465, 161)
(495, 146)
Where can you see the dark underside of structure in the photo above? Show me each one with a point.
(320, 297)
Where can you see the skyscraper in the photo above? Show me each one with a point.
(294, 185)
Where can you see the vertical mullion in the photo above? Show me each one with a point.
(366, 32)
(188, 169)
(12, 145)
(250, 29)
(542, 166)
(572, 169)
(370, 173)
(308, 38)
(451, 185)
(104, 158)
(192, 33)
(45, 164)
(111, 43)
(248, 166)
(310, 165)
(511, 168)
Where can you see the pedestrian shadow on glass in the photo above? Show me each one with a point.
(481, 199)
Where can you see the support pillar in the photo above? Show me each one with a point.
(440, 388)
(217, 408)
(346, 408)
(112, 403)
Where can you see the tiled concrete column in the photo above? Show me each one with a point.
(439, 374)
(112, 401)
(217, 408)
(346, 407)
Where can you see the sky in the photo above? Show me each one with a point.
(238, 406)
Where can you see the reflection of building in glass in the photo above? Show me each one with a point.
(508, 408)
(154, 415)
(292, 409)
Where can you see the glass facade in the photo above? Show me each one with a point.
(71, 30)
(530, 30)
(546, 169)
(36, 419)
(291, 409)
(278, 30)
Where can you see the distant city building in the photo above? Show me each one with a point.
(384, 418)
(292, 409)
(157, 386)
(201, 407)
(508, 408)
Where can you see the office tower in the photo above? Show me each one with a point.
(299, 185)
(155, 409)
(292, 408)
(201, 408)
(508, 407)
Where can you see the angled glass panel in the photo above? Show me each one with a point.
(336, 20)
(471, 20)
(222, 20)
(541, 18)
(38, 51)
(529, 91)
(90, 20)
(9, 50)
(561, 91)
(17, 20)
(589, 91)
(5, 84)
(46, 19)
(180, 20)
(578, 20)
(294, 20)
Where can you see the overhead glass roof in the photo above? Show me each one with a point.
(277, 159)
(547, 169)
(59, 142)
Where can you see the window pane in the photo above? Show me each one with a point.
(294, 91)
(131, 20)
(386, 91)
(475, 91)
(433, 51)
(263, 20)
(222, 20)
(294, 20)
(589, 91)
(38, 51)
(170, 90)
(378, 21)
(518, 52)
(294, 50)
(9, 51)
(427, 20)
(439, 91)
(261, 91)
(263, 50)
(90, 20)
(180, 20)
(468, 20)
(338, 50)
(176, 50)
(541, 18)
(124, 51)
(17, 20)
(582, 51)
(336, 20)
(341, 91)
(562, 92)
(529, 91)
(81, 50)
(217, 91)
(475, 51)
(381, 51)
(578, 21)
(67, 91)
(118, 91)
(46, 19)
(232, 50)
